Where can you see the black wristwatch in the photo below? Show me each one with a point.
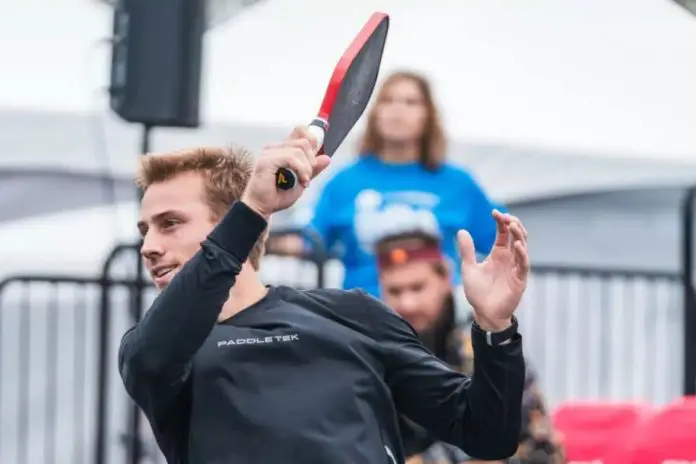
(496, 338)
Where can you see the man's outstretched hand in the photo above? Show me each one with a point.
(495, 286)
(297, 153)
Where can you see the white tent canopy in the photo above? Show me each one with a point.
(543, 73)
(582, 74)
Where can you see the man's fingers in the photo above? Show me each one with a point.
(502, 238)
(304, 166)
(504, 221)
(517, 232)
(293, 158)
(304, 140)
(322, 162)
(513, 235)
(467, 252)
(303, 133)
(307, 149)
(296, 133)
(515, 220)
(521, 259)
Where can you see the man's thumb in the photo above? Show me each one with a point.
(466, 248)
(323, 162)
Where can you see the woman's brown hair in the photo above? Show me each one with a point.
(433, 143)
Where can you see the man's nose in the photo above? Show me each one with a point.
(151, 248)
(408, 304)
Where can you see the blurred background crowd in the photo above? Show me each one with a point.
(575, 115)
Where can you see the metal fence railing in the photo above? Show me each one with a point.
(60, 398)
(46, 355)
(605, 334)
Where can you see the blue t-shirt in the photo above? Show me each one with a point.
(371, 199)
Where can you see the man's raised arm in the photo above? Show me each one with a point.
(481, 415)
(161, 346)
(159, 350)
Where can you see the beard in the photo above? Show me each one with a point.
(436, 337)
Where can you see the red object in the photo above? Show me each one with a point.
(340, 72)
(592, 431)
(668, 437)
(406, 254)
(348, 92)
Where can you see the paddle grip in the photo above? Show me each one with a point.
(287, 179)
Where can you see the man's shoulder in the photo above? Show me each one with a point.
(328, 295)
(346, 306)
(351, 300)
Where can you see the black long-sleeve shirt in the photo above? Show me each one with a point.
(303, 376)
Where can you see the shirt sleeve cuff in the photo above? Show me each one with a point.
(479, 342)
(238, 231)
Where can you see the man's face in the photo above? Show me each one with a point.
(174, 220)
(416, 291)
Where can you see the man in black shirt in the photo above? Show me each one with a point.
(230, 371)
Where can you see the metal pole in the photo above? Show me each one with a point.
(136, 445)
(104, 354)
(687, 254)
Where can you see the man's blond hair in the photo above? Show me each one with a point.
(225, 173)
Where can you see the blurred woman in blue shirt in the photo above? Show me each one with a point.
(400, 181)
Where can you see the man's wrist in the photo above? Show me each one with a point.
(238, 230)
(493, 325)
(494, 332)
(255, 208)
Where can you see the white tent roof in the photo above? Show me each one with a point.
(593, 75)
(608, 75)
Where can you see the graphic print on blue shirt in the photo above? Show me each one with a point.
(378, 215)
(371, 199)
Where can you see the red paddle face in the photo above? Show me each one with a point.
(341, 69)
(348, 92)
(353, 81)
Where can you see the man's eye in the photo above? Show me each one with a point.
(170, 223)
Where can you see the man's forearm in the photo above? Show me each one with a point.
(495, 399)
(182, 316)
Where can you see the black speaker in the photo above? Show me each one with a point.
(156, 61)
(690, 5)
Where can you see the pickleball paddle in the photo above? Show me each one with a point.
(348, 92)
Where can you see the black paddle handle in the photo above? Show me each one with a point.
(286, 179)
